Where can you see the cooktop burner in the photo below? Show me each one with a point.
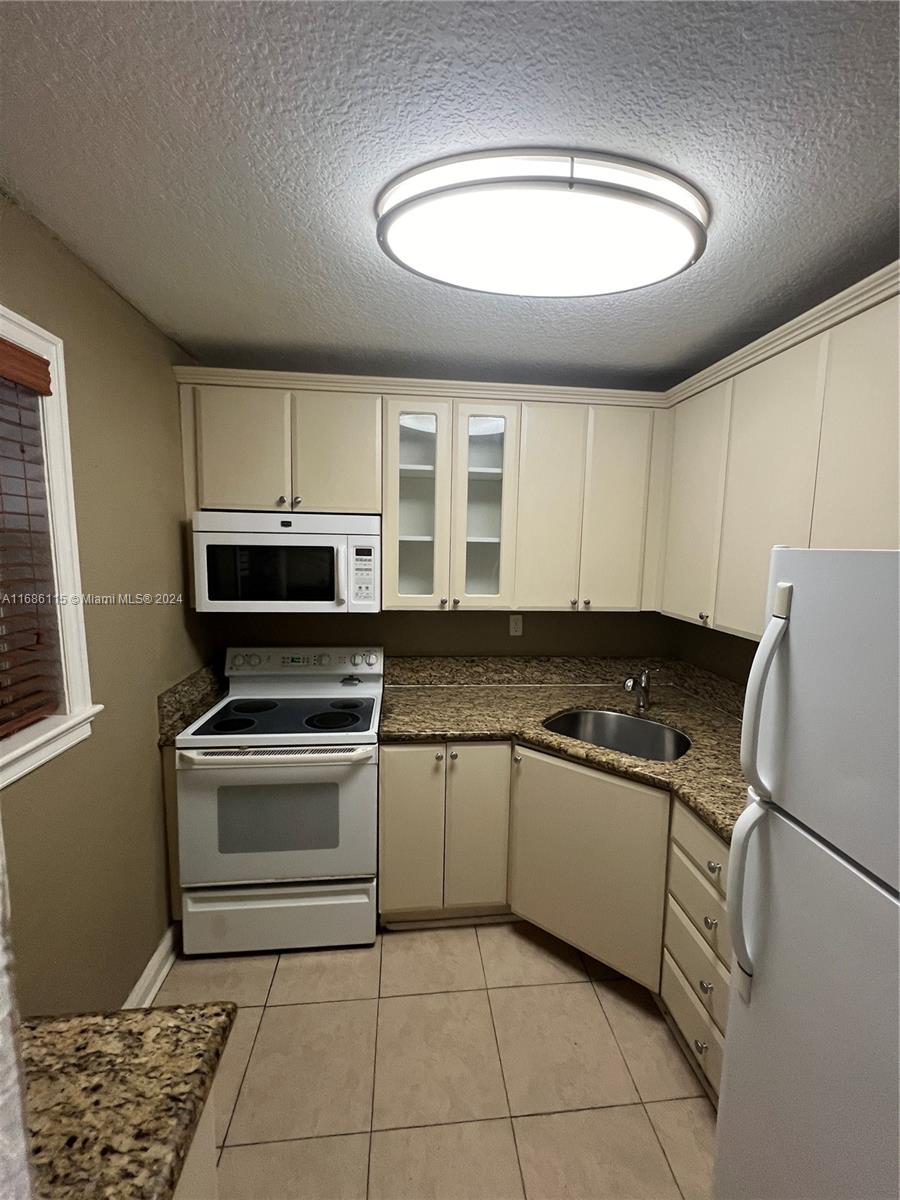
(257, 718)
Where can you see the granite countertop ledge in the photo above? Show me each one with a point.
(707, 779)
(113, 1099)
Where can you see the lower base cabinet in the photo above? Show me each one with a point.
(443, 827)
(587, 861)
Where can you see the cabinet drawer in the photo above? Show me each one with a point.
(703, 1039)
(701, 845)
(701, 902)
(703, 970)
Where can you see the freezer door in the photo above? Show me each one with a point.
(808, 1104)
(828, 732)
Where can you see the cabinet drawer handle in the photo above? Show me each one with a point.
(517, 758)
(456, 602)
(710, 923)
(281, 500)
(454, 755)
(703, 616)
(297, 500)
(700, 1047)
(586, 603)
(714, 868)
(574, 603)
(705, 988)
(439, 757)
(444, 600)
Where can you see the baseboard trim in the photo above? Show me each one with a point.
(144, 991)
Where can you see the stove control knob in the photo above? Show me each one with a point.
(238, 660)
(324, 660)
(356, 659)
(371, 660)
(254, 660)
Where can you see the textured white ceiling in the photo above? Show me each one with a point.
(217, 163)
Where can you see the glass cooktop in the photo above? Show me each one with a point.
(258, 717)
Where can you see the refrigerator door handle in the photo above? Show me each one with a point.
(737, 868)
(756, 687)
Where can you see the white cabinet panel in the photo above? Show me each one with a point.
(776, 412)
(695, 504)
(416, 526)
(588, 861)
(477, 825)
(551, 475)
(856, 485)
(615, 507)
(337, 452)
(411, 825)
(243, 447)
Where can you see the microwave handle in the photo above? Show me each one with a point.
(340, 598)
(197, 758)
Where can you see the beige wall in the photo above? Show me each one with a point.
(84, 833)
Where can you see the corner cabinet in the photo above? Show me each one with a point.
(587, 860)
(451, 476)
(443, 828)
(264, 448)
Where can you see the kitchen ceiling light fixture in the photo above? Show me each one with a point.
(541, 222)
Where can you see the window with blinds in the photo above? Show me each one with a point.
(31, 676)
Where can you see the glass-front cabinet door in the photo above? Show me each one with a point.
(416, 525)
(485, 484)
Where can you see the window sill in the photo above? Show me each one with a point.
(31, 748)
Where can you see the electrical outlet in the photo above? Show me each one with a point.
(516, 622)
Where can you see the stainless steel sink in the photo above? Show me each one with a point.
(618, 731)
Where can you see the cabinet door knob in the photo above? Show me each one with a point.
(574, 602)
(517, 758)
(700, 1047)
(454, 755)
(297, 500)
(705, 988)
(710, 923)
(456, 602)
(439, 757)
(703, 616)
(714, 868)
(443, 600)
(281, 500)
(586, 603)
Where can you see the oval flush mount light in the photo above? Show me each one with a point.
(541, 222)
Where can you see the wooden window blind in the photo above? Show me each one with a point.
(31, 678)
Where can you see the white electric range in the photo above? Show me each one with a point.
(278, 803)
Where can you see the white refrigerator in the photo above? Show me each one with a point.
(809, 1094)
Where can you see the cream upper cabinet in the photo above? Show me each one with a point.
(699, 450)
(411, 828)
(856, 485)
(548, 531)
(776, 412)
(243, 447)
(477, 824)
(265, 448)
(416, 526)
(336, 441)
(587, 860)
(616, 480)
(484, 495)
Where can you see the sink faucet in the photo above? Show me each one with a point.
(640, 685)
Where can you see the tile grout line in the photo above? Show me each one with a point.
(503, 987)
(374, 1064)
(237, 1094)
(637, 1089)
(512, 1125)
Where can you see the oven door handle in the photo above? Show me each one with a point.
(299, 758)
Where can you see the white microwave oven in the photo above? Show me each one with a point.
(286, 562)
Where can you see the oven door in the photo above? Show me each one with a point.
(270, 572)
(249, 816)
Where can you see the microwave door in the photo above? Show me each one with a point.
(269, 572)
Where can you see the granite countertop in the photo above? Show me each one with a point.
(707, 779)
(113, 1099)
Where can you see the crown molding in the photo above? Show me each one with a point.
(853, 300)
(389, 385)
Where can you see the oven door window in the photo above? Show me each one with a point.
(281, 817)
(271, 573)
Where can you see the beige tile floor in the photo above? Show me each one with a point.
(452, 1064)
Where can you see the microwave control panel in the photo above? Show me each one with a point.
(362, 574)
